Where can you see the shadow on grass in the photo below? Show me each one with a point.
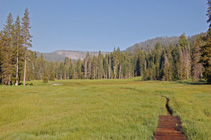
(192, 83)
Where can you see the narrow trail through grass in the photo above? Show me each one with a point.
(169, 127)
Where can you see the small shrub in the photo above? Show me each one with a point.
(52, 77)
(45, 79)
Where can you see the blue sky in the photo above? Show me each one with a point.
(93, 25)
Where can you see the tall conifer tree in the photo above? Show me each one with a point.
(17, 45)
(26, 39)
(7, 51)
(206, 49)
(196, 65)
(1, 55)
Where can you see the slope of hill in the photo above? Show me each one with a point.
(60, 55)
(149, 44)
(164, 41)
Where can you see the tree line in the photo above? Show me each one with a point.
(168, 63)
(15, 39)
(185, 60)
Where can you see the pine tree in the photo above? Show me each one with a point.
(183, 41)
(89, 67)
(186, 61)
(79, 68)
(206, 49)
(180, 64)
(17, 46)
(158, 53)
(60, 71)
(209, 12)
(52, 77)
(73, 70)
(32, 65)
(1, 55)
(70, 69)
(121, 59)
(142, 60)
(86, 65)
(109, 66)
(105, 66)
(100, 66)
(166, 62)
(137, 61)
(166, 68)
(66, 68)
(7, 51)
(93, 68)
(114, 63)
(26, 39)
(170, 59)
(206, 57)
(196, 65)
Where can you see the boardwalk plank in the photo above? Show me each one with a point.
(169, 127)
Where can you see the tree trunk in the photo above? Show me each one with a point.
(24, 73)
(109, 72)
(94, 73)
(120, 69)
(16, 78)
(9, 79)
(85, 69)
(109, 67)
(115, 72)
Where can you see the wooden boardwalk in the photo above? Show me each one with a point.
(169, 127)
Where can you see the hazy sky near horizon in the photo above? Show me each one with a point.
(93, 25)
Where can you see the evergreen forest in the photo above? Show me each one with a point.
(187, 59)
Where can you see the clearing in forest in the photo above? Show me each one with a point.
(101, 109)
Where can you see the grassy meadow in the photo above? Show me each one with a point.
(101, 109)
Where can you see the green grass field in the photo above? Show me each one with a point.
(101, 109)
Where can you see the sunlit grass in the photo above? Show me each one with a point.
(101, 109)
(77, 109)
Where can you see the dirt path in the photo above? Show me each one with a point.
(169, 127)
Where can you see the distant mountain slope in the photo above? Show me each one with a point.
(59, 55)
(147, 45)
(150, 44)
(165, 41)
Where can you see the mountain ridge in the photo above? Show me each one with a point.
(59, 55)
(149, 44)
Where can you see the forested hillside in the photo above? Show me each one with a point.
(148, 45)
(167, 59)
